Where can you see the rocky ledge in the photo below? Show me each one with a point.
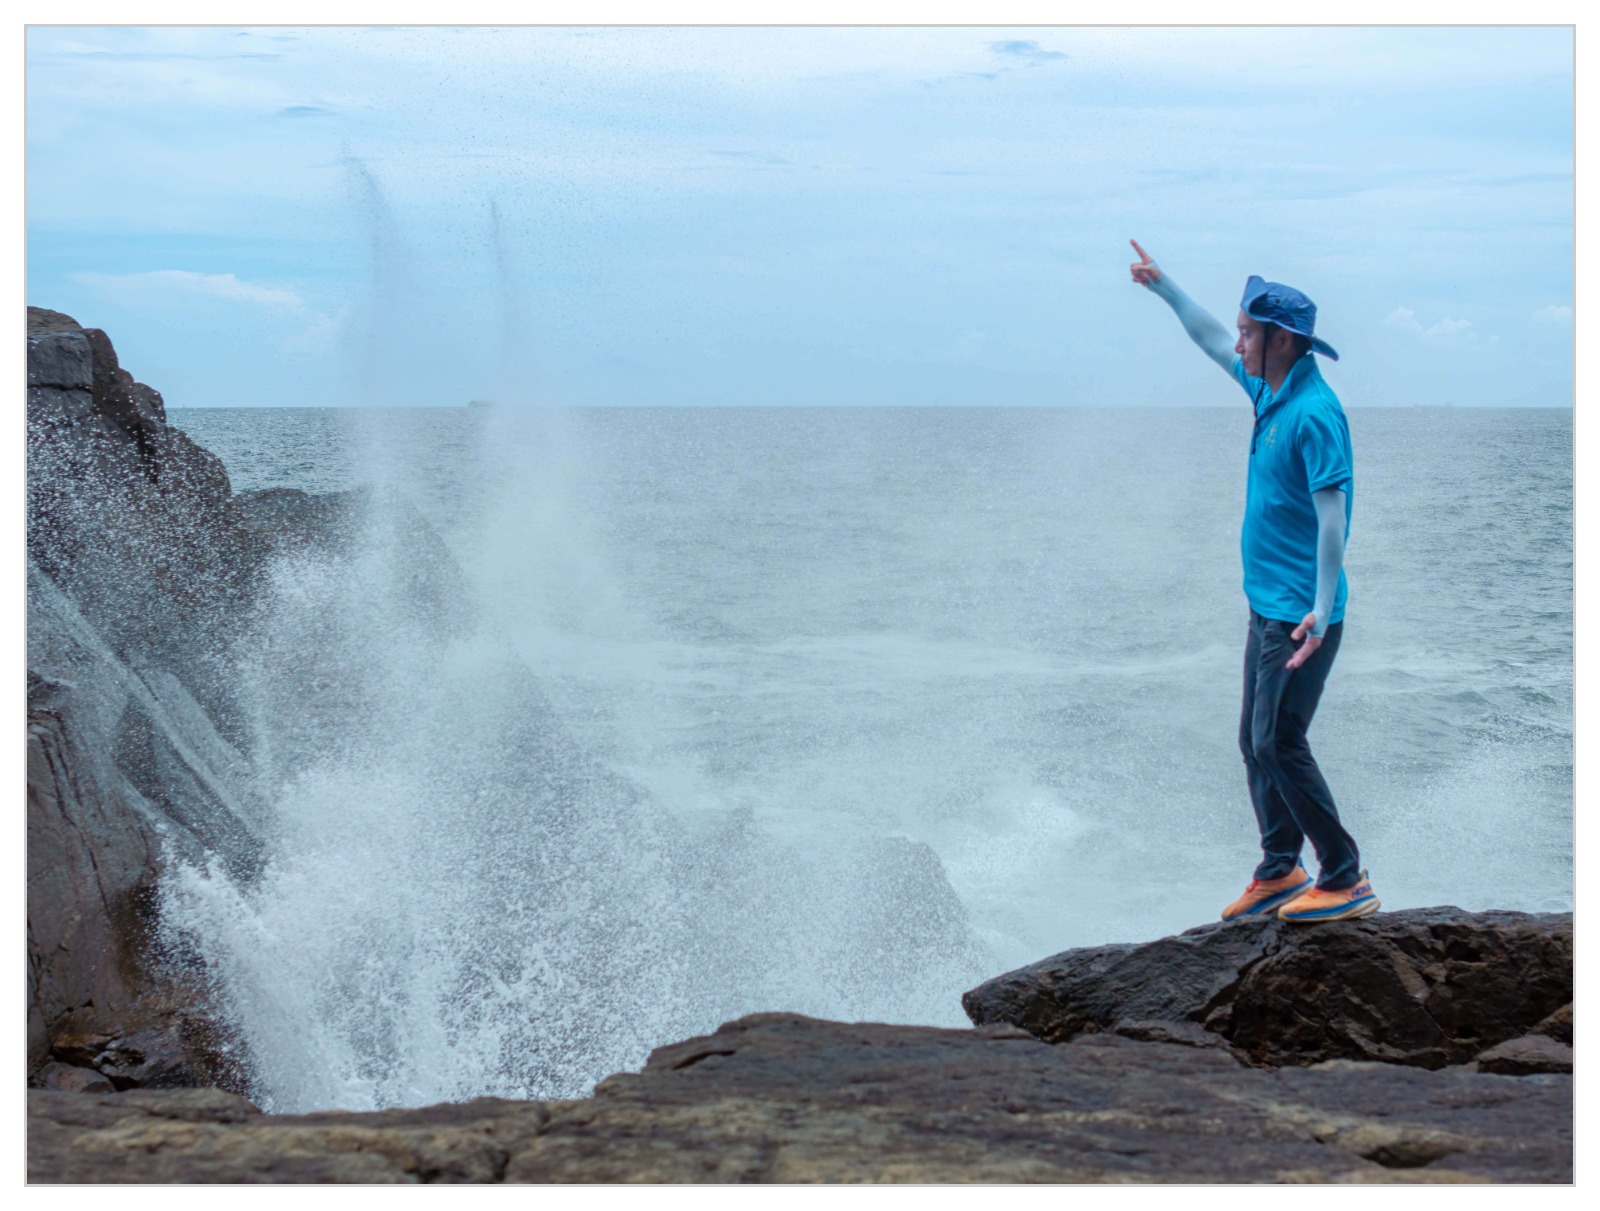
(783, 1098)
(1380, 1050)
(1428, 987)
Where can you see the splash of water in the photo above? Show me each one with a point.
(459, 898)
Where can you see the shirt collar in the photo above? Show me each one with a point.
(1300, 375)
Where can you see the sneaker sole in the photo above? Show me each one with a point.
(1344, 912)
(1272, 902)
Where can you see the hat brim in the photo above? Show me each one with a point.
(1318, 345)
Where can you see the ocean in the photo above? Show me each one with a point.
(1006, 643)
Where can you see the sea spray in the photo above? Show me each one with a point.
(459, 899)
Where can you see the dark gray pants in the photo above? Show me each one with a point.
(1291, 799)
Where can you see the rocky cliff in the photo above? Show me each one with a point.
(130, 755)
(142, 567)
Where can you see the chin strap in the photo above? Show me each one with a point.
(1268, 330)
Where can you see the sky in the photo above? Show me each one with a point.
(325, 216)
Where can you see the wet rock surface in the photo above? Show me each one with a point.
(144, 572)
(1428, 987)
(783, 1098)
(134, 578)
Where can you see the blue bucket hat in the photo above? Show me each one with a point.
(1275, 303)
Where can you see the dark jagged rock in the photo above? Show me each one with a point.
(143, 570)
(134, 579)
(783, 1098)
(1528, 1054)
(122, 769)
(153, 589)
(1428, 987)
(74, 1079)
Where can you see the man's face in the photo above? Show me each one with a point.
(1250, 347)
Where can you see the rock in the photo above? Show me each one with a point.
(1188, 1034)
(783, 1098)
(1528, 1054)
(60, 359)
(1430, 987)
(124, 773)
(1557, 1026)
(73, 1079)
(147, 579)
(132, 575)
(151, 1059)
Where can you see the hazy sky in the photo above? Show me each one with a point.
(798, 216)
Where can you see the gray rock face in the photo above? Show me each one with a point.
(1428, 987)
(782, 1098)
(152, 591)
(143, 568)
(130, 585)
(60, 359)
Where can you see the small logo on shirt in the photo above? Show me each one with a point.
(1272, 435)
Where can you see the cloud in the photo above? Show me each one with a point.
(140, 56)
(1030, 52)
(1524, 178)
(1449, 330)
(167, 285)
(1027, 54)
(753, 157)
(1554, 316)
(1445, 332)
(318, 339)
(306, 111)
(962, 75)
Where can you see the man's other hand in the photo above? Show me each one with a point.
(1311, 644)
(1145, 271)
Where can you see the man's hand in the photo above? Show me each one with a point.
(1145, 271)
(1311, 644)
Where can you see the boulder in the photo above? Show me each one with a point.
(1428, 987)
(1528, 1054)
(781, 1098)
(74, 1079)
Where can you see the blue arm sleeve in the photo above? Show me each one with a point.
(1204, 329)
(1330, 552)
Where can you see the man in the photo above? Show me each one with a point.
(1296, 521)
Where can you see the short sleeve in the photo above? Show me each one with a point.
(1325, 446)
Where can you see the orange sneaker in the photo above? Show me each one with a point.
(1320, 905)
(1263, 895)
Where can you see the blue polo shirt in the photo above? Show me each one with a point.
(1301, 444)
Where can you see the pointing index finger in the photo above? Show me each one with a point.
(1143, 255)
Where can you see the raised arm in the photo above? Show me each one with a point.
(1204, 329)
